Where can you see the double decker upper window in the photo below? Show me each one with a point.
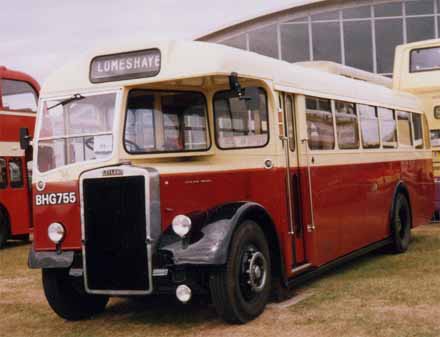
(425, 59)
(18, 96)
(236, 125)
(165, 121)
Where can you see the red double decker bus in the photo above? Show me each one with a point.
(199, 169)
(18, 106)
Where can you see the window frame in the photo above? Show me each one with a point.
(332, 112)
(411, 130)
(15, 184)
(363, 147)
(215, 121)
(411, 71)
(395, 119)
(36, 93)
(208, 130)
(423, 145)
(359, 147)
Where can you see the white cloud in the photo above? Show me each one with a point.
(38, 36)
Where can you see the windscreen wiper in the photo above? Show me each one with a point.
(75, 97)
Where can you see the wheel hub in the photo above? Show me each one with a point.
(257, 271)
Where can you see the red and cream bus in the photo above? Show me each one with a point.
(199, 169)
(18, 106)
(417, 70)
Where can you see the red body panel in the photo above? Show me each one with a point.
(351, 203)
(16, 201)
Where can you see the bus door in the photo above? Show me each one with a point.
(293, 183)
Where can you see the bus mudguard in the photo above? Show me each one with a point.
(49, 260)
(211, 233)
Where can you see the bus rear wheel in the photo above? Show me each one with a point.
(401, 224)
(241, 290)
(4, 230)
(67, 299)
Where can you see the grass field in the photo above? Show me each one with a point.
(377, 295)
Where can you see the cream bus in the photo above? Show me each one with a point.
(203, 170)
(417, 71)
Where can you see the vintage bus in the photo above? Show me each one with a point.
(18, 106)
(199, 169)
(417, 70)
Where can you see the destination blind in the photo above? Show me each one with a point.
(124, 66)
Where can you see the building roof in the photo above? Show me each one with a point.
(191, 60)
(259, 15)
(19, 76)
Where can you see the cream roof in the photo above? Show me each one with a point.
(189, 59)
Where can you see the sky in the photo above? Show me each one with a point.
(38, 36)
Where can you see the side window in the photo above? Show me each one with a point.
(418, 130)
(290, 122)
(369, 126)
(388, 127)
(18, 96)
(238, 127)
(15, 173)
(320, 129)
(3, 177)
(404, 125)
(347, 125)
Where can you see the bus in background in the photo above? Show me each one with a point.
(18, 106)
(417, 71)
(199, 169)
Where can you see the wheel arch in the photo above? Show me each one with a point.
(218, 226)
(258, 214)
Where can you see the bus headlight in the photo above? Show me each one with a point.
(56, 232)
(181, 225)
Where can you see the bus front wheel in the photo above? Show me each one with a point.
(67, 299)
(241, 289)
(401, 224)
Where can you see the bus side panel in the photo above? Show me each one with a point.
(185, 193)
(17, 203)
(418, 177)
(11, 124)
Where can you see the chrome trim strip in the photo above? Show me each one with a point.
(127, 172)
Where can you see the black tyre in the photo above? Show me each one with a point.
(4, 230)
(66, 297)
(241, 290)
(401, 224)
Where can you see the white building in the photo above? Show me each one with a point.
(358, 33)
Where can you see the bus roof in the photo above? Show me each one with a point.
(19, 76)
(189, 59)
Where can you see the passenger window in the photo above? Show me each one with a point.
(15, 173)
(166, 121)
(388, 128)
(18, 96)
(290, 122)
(404, 125)
(347, 125)
(369, 126)
(3, 178)
(418, 130)
(320, 128)
(238, 127)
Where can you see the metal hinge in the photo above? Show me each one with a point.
(310, 228)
